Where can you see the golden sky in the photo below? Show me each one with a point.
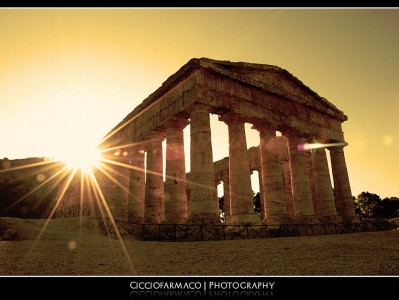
(68, 76)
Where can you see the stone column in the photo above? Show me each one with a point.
(301, 193)
(285, 166)
(203, 208)
(261, 193)
(342, 189)
(311, 182)
(226, 196)
(122, 176)
(107, 184)
(154, 185)
(137, 185)
(241, 197)
(273, 181)
(324, 193)
(176, 210)
(106, 176)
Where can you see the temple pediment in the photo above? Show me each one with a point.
(272, 80)
(268, 79)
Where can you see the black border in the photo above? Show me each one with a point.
(119, 287)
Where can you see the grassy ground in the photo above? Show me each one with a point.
(76, 247)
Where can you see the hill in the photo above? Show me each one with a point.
(27, 187)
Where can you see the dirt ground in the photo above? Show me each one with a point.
(75, 246)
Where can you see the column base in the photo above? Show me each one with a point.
(121, 217)
(353, 219)
(244, 219)
(277, 220)
(136, 220)
(227, 219)
(174, 221)
(206, 219)
(306, 219)
(330, 219)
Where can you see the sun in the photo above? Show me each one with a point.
(75, 143)
(83, 157)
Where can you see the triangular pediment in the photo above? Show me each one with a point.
(273, 80)
(270, 89)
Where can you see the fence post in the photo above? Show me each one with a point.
(143, 233)
(224, 232)
(175, 233)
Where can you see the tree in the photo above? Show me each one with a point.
(367, 203)
(356, 206)
(387, 208)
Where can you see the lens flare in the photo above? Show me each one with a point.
(310, 146)
(72, 245)
(387, 140)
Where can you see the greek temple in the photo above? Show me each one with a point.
(294, 180)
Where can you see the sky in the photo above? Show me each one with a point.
(68, 76)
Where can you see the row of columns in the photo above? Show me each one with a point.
(151, 200)
(295, 191)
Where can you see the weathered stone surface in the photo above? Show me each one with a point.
(137, 185)
(301, 189)
(241, 203)
(324, 193)
(154, 185)
(343, 194)
(203, 206)
(275, 202)
(121, 196)
(176, 209)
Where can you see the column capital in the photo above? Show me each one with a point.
(291, 133)
(264, 126)
(155, 136)
(225, 179)
(232, 118)
(176, 122)
(139, 144)
(199, 107)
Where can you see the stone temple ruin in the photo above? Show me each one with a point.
(295, 184)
